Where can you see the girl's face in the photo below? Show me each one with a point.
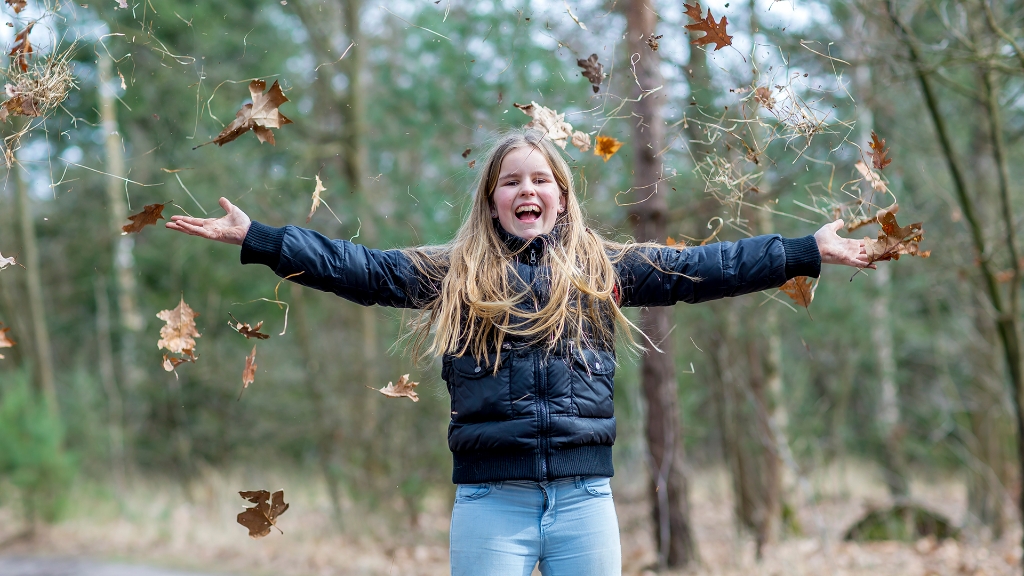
(527, 199)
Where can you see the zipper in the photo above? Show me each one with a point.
(533, 257)
(542, 397)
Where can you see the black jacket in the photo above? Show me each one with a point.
(542, 415)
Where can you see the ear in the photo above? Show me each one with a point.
(494, 213)
(561, 204)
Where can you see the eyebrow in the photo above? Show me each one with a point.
(516, 172)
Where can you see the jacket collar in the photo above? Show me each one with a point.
(523, 247)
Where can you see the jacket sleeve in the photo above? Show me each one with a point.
(664, 276)
(354, 272)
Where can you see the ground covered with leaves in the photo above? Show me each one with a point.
(194, 528)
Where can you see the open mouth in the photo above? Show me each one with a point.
(528, 213)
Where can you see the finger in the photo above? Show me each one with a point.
(226, 205)
(837, 225)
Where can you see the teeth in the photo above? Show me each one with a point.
(522, 209)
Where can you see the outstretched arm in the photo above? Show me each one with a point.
(230, 228)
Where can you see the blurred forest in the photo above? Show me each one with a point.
(900, 385)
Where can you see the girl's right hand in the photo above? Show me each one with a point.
(230, 228)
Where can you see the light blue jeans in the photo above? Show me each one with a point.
(504, 528)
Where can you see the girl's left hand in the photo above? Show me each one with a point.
(836, 250)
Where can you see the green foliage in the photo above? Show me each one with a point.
(32, 457)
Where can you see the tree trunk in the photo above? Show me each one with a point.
(668, 487)
(115, 405)
(42, 354)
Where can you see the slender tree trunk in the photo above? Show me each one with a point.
(115, 406)
(42, 353)
(668, 488)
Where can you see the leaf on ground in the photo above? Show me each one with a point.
(893, 240)
(316, 197)
(149, 215)
(573, 16)
(249, 372)
(714, 31)
(592, 70)
(552, 123)
(178, 335)
(800, 290)
(878, 152)
(606, 147)
(5, 262)
(404, 389)
(22, 47)
(259, 518)
(259, 116)
(5, 340)
(17, 5)
(244, 329)
(872, 177)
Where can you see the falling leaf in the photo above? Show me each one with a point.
(18, 103)
(652, 41)
(592, 70)
(471, 164)
(581, 140)
(573, 16)
(5, 340)
(404, 389)
(763, 96)
(856, 223)
(17, 5)
(466, 152)
(259, 116)
(551, 122)
(248, 331)
(878, 152)
(800, 290)
(895, 241)
(264, 514)
(606, 147)
(5, 262)
(714, 31)
(871, 176)
(316, 197)
(149, 215)
(249, 372)
(22, 47)
(178, 336)
(670, 241)
(121, 76)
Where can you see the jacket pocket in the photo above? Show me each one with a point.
(593, 374)
(478, 393)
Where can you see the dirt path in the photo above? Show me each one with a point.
(15, 566)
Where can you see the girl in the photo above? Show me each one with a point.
(522, 306)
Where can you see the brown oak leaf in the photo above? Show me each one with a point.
(22, 47)
(592, 70)
(714, 31)
(178, 335)
(695, 12)
(149, 215)
(5, 340)
(17, 5)
(871, 177)
(18, 103)
(403, 389)
(763, 96)
(249, 372)
(552, 123)
(606, 147)
(856, 223)
(893, 240)
(878, 152)
(800, 290)
(172, 362)
(316, 197)
(259, 518)
(244, 329)
(259, 116)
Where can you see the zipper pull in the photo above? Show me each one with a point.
(533, 257)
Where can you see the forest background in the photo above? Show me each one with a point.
(895, 386)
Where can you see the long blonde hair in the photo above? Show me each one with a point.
(479, 288)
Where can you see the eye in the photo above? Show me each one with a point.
(511, 183)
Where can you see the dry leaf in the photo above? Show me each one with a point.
(878, 152)
(249, 372)
(22, 47)
(763, 96)
(259, 116)
(871, 176)
(606, 147)
(404, 389)
(172, 362)
(5, 340)
(652, 41)
(17, 5)
(551, 122)
(471, 164)
(149, 215)
(861, 222)
(592, 70)
(466, 152)
(581, 140)
(178, 335)
(316, 197)
(264, 514)
(18, 103)
(5, 262)
(248, 331)
(895, 241)
(670, 241)
(695, 12)
(714, 31)
(800, 290)
(573, 16)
